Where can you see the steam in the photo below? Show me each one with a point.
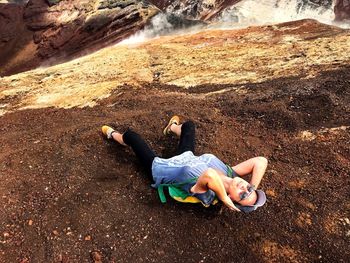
(159, 26)
(163, 24)
(243, 14)
(252, 12)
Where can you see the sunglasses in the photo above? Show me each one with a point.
(246, 194)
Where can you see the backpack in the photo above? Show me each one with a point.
(176, 192)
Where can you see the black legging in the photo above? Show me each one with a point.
(146, 155)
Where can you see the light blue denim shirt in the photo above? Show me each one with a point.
(183, 167)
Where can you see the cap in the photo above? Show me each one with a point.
(260, 201)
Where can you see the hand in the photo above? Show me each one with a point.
(228, 202)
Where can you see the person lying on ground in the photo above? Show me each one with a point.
(204, 178)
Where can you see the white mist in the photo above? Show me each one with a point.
(252, 12)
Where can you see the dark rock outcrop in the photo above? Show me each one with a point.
(60, 30)
(37, 32)
(14, 36)
(194, 9)
(342, 10)
(10, 22)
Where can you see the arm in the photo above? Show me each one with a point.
(255, 166)
(210, 179)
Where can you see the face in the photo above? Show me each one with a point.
(239, 188)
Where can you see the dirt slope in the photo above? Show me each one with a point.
(66, 192)
(234, 57)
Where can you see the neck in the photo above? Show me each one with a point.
(227, 181)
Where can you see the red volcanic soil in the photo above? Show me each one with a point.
(69, 195)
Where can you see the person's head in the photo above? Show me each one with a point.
(245, 196)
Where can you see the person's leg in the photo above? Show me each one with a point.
(139, 146)
(187, 134)
(145, 154)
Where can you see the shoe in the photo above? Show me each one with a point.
(106, 130)
(174, 120)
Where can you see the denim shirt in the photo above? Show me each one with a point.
(183, 167)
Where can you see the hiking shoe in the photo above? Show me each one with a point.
(174, 120)
(106, 130)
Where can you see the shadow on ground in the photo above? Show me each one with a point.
(65, 191)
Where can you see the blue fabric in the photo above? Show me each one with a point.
(183, 167)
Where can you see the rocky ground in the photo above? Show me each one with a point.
(283, 92)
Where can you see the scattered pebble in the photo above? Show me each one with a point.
(87, 238)
(345, 221)
(96, 256)
(55, 232)
(256, 234)
(30, 222)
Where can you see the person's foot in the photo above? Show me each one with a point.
(174, 120)
(107, 131)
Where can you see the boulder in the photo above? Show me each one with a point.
(14, 36)
(61, 30)
(194, 9)
(10, 20)
(342, 10)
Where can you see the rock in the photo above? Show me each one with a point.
(62, 30)
(53, 2)
(96, 256)
(342, 10)
(54, 31)
(10, 18)
(197, 10)
(13, 32)
(115, 3)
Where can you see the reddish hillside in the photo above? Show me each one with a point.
(39, 33)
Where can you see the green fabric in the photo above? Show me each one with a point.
(174, 190)
(177, 192)
(229, 171)
(161, 194)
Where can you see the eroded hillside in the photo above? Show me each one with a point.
(283, 92)
(233, 57)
